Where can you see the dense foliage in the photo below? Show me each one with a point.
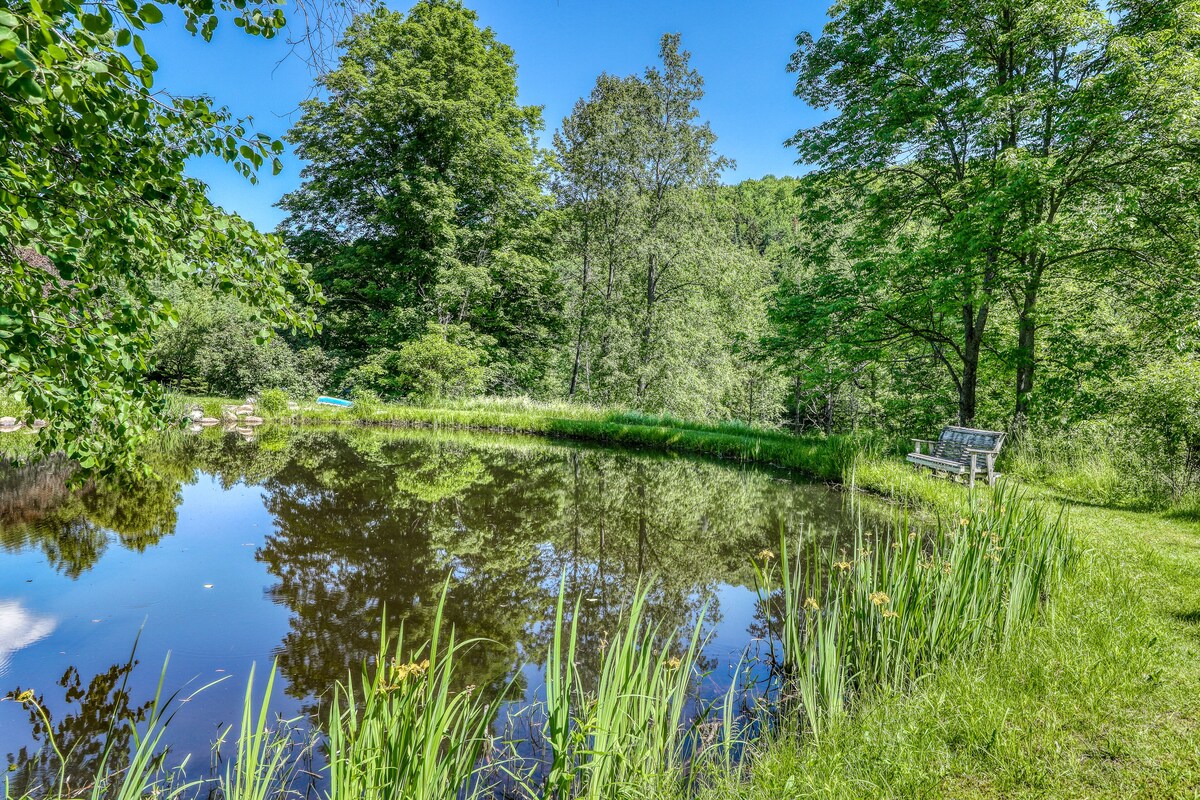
(97, 217)
(985, 164)
(423, 194)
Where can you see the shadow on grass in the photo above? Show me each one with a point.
(1187, 513)
(1189, 617)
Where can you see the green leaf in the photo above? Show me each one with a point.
(30, 88)
(96, 23)
(150, 14)
(25, 59)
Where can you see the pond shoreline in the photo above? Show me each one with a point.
(838, 459)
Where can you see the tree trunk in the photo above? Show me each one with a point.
(827, 421)
(1026, 348)
(974, 323)
(796, 397)
(647, 328)
(1026, 360)
(583, 299)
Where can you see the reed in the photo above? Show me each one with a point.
(131, 775)
(626, 735)
(265, 761)
(885, 613)
(404, 728)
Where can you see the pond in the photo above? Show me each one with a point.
(294, 545)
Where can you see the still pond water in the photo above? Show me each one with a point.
(295, 545)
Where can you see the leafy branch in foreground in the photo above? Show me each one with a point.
(97, 217)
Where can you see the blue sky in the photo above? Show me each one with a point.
(741, 49)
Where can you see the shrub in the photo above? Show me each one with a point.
(1144, 453)
(273, 402)
(217, 348)
(447, 361)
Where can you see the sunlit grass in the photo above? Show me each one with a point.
(887, 610)
(624, 736)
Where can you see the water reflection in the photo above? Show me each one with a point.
(20, 628)
(95, 727)
(362, 526)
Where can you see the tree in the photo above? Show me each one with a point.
(423, 191)
(96, 216)
(993, 151)
(445, 361)
(657, 290)
(216, 347)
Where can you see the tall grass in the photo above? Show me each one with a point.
(626, 736)
(405, 728)
(264, 764)
(131, 775)
(887, 612)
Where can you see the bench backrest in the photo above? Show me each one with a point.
(953, 442)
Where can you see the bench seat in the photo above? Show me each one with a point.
(959, 451)
(933, 462)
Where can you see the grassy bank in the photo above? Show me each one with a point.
(839, 459)
(1100, 700)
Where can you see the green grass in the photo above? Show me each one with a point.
(1101, 699)
(883, 615)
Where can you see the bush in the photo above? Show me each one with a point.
(1145, 453)
(217, 349)
(273, 402)
(447, 361)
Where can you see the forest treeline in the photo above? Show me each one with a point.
(999, 227)
(1001, 231)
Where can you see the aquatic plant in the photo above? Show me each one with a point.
(897, 605)
(405, 728)
(628, 731)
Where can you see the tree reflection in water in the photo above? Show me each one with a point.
(99, 727)
(369, 523)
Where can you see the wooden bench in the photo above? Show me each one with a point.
(960, 451)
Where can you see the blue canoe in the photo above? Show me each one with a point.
(333, 401)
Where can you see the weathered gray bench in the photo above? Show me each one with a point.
(960, 451)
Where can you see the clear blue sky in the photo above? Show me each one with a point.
(741, 48)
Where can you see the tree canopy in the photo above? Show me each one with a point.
(423, 193)
(983, 155)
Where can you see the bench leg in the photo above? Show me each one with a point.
(971, 474)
